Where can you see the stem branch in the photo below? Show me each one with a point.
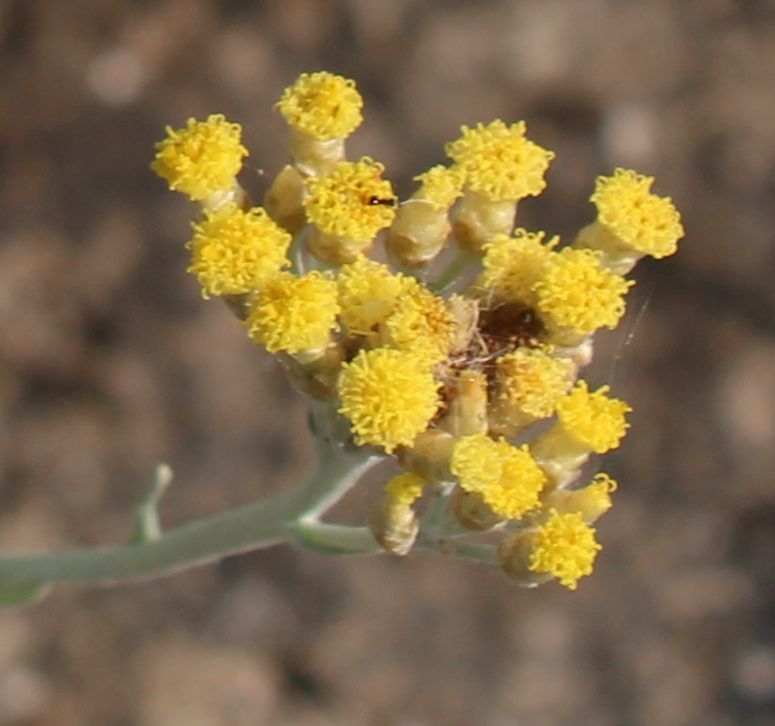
(290, 516)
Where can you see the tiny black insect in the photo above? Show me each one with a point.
(387, 202)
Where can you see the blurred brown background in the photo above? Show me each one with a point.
(110, 362)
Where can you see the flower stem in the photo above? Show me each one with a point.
(485, 553)
(336, 539)
(291, 517)
(254, 526)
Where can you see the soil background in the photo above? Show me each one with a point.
(110, 362)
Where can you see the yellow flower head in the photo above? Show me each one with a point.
(513, 265)
(294, 314)
(532, 380)
(404, 489)
(576, 292)
(499, 162)
(507, 477)
(345, 203)
(593, 418)
(233, 250)
(564, 547)
(441, 186)
(641, 220)
(476, 461)
(322, 105)
(202, 158)
(389, 396)
(421, 323)
(368, 293)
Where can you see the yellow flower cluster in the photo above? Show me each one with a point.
(513, 265)
(322, 105)
(572, 290)
(499, 162)
(201, 159)
(233, 250)
(421, 324)
(576, 293)
(404, 488)
(440, 186)
(294, 314)
(389, 396)
(440, 365)
(368, 293)
(565, 547)
(594, 419)
(532, 380)
(638, 218)
(347, 204)
(507, 477)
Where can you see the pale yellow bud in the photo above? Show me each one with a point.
(467, 407)
(393, 522)
(394, 526)
(283, 200)
(591, 501)
(514, 553)
(616, 257)
(429, 455)
(335, 250)
(479, 219)
(465, 313)
(473, 512)
(313, 156)
(504, 419)
(418, 233)
(315, 373)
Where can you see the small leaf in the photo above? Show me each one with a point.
(147, 525)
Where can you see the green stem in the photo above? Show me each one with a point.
(477, 551)
(345, 464)
(336, 539)
(257, 525)
(251, 527)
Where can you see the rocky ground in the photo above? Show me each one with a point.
(110, 361)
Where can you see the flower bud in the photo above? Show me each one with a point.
(479, 219)
(418, 233)
(467, 407)
(315, 373)
(514, 553)
(429, 455)
(393, 522)
(283, 201)
(473, 512)
(590, 501)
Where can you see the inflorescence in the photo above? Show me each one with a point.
(443, 335)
